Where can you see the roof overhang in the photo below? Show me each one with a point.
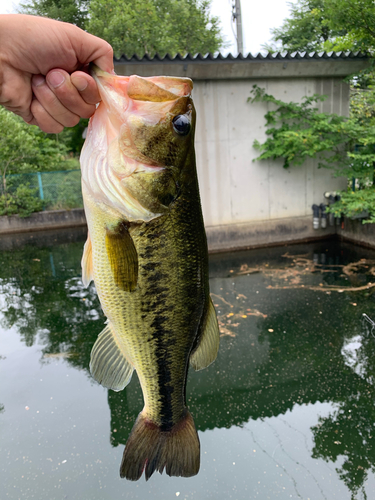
(219, 67)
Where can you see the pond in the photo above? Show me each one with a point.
(286, 411)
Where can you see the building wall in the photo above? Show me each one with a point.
(235, 187)
(250, 203)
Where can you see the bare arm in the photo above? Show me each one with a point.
(40, 77)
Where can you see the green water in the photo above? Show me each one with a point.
(286, 411)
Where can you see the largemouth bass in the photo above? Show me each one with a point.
(147, 254)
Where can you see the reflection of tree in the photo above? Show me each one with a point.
(349, 430)
(43, 294)
(291, 352)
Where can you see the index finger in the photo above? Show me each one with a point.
(86, 86)
(93, 49)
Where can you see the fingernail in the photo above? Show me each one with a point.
(38, 80)
(55, 79)
(80, 83)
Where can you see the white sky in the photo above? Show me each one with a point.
(258, 17)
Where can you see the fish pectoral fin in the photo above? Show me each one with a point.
(86, 263)
(208, 346)
(123, 257)
(108, 364)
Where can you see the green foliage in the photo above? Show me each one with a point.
(318, 25)
(356, 22)
(148, 26)
(356, 204)
(23, 201)
(139, 26)
(70, 11)
(71, 138)
(25, 148)
(300, 131)
(65, 192)
(347, 145)
(307, 29)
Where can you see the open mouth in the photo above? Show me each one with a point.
(150, 89)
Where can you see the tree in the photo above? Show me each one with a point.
(24, 149)
(70, 11)
(316, 25)
(299, 131)
(139, 26)
(356, 22)
(305, 30)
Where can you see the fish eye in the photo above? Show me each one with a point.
(181, 124)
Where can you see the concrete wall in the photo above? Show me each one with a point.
(356, 232)
(234, 188)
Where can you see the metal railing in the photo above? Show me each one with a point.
(58, 190)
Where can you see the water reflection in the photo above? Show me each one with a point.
(292, 335)
(349, 430)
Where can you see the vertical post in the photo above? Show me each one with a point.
(52, 265)
(41, 194)
(238, 18)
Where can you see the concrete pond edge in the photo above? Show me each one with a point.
(220, 238)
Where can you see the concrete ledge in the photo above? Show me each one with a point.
(48, 227)
(220, 238)
(264, 233)
(39, 221)
(358, 233)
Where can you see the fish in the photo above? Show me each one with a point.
(146, 252)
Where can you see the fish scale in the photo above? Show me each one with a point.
(149, 261)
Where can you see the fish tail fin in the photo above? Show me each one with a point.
(150, 449)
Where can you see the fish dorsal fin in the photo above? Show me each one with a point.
(108, 364)
(86, 263)
(208, 345)
(123, 257)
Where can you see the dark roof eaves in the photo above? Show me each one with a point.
(217, 57)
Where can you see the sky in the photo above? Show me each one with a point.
(258, 17)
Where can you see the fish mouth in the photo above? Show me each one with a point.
(129, 136)
(150, 89)
(134, 100)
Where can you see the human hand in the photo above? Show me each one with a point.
(39, 81)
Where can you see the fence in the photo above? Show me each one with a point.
(58, 190)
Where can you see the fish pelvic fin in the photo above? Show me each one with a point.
(108, 364)
(208, 345)
(150, 449)
(123, 257)
(86, 263)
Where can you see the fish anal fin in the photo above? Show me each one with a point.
(123, 257)
(150, 449)
(86, 263)
(206, 351)
(108, 364)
